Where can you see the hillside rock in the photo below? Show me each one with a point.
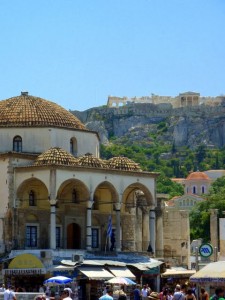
(190, 126)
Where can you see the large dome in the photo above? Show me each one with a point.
(30, 111)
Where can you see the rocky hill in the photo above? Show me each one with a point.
(141, 123)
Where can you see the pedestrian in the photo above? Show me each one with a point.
(178, 294)
(203, 294)
(190, 295)
(66, 295)
(9, 293)
(219, 294)
(137, 292)
(2, 288)
(144, 292)
(108, 295)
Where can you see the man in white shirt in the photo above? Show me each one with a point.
(9, 293)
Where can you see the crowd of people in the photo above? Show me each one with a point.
(181, 292)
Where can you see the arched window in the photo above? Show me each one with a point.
(17, 144)
(32, 201)
(203, 190)
(194, 190)
(73, 146)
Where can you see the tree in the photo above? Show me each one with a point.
(200, 214)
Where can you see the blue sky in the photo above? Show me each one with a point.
(76, 53)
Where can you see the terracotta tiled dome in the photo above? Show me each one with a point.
(88, 160)
(56, 156)
(198, 176)
(30, 111)
(123, 163)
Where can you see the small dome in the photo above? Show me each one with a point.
(56, 156)
(88, 160)
(198, 176)
(30, 111)
(123, 163)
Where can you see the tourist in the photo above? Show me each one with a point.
(108, 295)
(144, 292)
(2, 288)
(137, 292)
(9, 293)
(178, 294)
(203, 294)
(219, 294)
(66, 295)
(190, 295)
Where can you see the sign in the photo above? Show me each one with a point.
(24, 271)
(205, 250)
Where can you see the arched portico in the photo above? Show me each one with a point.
(136, 215)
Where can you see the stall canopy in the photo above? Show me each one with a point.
(147, 265)
(95, 273)
(212, 273)
(178, 273)
(122, 272)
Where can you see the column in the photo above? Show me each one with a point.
(88, 226)
(118, 227)
(159, 228)
(214, 227)
(152, 229)
(145, 229)
(52, 224)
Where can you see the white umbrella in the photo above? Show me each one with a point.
(57, 280)
(121, 280)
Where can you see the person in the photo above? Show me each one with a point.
(190, 295)
(66, 295)
(165, 295)
(144, 293)
(137, 292)
(112, 241)
(9, 293)
(108, 295)
(122, 297)
(154, 296)
(170, 294)
(203, 294)
(2, 288)
(219, 294)
(41, 289)
(178, 294)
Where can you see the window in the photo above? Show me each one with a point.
(31, 236)
(194, 190)
(58, 236)
(32, 198)
(73, 146)
(17, 144)
(203, 190)
(95, 238)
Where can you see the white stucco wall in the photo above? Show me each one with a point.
(38, 140)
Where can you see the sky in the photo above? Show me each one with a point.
(78, 52)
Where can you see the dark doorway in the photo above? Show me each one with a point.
(73, 236)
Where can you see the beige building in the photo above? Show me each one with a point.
(55, 190)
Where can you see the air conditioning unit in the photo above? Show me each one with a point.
(46, 254)
(77, 258)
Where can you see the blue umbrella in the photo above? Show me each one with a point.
(57, 280)
(121, 280)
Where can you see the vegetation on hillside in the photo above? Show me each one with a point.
(200, 215)
(169, 161)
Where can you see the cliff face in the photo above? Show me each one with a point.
(190, 126)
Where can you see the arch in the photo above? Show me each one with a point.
(17, 143)
(73, 146)
(105, 197)
(136, 195)
(32, 190)
(73, 191)
(73, 236)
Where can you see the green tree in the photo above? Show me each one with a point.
(200, 215)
